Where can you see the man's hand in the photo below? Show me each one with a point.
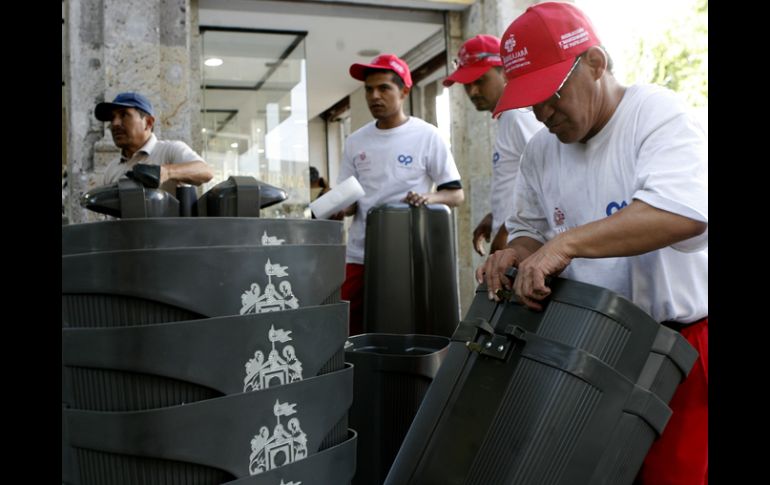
(348, 211)
(415, 199)
(483, 230)
(529, 285)
(493, 271)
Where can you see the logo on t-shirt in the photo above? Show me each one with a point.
(405, 160)
(613, 207)
(362, 155)
(495, 158)
(558, 217)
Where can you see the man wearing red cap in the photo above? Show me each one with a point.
(614, 193)
(395, 158)
(479, 70)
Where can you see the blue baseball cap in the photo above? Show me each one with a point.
(103, 111)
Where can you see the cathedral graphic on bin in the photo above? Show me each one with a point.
(279, 368)
(284, 446)
(272, 300)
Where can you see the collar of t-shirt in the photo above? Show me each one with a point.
(147, 148)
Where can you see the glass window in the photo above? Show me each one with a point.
(255, 111)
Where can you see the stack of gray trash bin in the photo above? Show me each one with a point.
(205, 350)
(410, 310)
(575, 394)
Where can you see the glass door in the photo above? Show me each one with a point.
(255, 110)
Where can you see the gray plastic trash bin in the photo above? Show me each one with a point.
(535, 398)
(134, 340)
(124, 234)
(228, 437)
(668, 364)
(129, 199)
(392, 375)
(410, 272)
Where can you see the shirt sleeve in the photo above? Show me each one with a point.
(672, 166)
(528, 217)
(441, 165)
(182, 153)
(514, 131)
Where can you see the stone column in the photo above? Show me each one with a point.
(127, 45)
(474, 132)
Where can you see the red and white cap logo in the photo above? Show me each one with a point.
(539, 48)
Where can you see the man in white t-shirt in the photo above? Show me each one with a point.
(395, 158)
(131, 119)
(614, 193)
(479, 69)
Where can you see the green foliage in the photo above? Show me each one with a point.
(677, 58)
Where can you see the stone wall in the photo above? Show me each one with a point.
(126, 45)
(474, 132)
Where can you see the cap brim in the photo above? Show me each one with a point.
(357, 70)
(103, 111)
(466, 74)
(533, 87)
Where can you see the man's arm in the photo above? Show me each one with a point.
(483, 231)
(500, 239)
(636, 229)
(195, 173)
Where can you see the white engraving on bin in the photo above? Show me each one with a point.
(278, 369)
(271, 300)
(283, 447)
(290, 483)
(271, 240)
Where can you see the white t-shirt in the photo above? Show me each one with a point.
(513, 132)
(650, 150)
(154, 152)
(390, 163)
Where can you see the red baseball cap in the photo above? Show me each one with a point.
(475, 57)
(538, 50)
(384, 61)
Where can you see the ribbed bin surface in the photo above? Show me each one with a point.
(128, 368)
(667, 365)
(393, 373)
(538, 398)
(410, 279)
(241, 434)
(583, 316)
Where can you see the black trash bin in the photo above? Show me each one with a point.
(410, 270)
(185, 232)
(392, 375)
(539, 397)
(137, 347)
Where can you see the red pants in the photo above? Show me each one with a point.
(353, 291)
(680, 455)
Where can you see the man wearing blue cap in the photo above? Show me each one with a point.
(131, 120)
